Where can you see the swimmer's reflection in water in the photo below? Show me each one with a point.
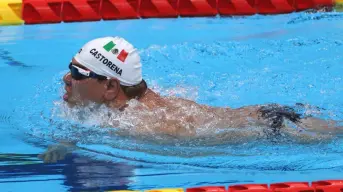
(80, 173)
(107, 71)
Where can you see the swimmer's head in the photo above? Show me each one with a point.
(105, 70)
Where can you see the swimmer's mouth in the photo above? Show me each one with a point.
(65, 97)
(68, 100)
(67, 89)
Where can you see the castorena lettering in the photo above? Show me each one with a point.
(106, 62)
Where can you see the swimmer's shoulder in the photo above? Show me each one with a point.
(152, 100)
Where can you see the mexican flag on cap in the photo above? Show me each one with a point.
(122, 55)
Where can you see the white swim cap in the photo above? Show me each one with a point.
(112, 57)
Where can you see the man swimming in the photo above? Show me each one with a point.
(108, 71)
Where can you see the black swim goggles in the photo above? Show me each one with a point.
(78, 73)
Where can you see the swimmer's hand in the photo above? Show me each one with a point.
(56, 153)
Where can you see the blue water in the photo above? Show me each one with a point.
(234, 61)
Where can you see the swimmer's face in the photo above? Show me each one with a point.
(83, 91)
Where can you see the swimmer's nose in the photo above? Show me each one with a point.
(67, 79)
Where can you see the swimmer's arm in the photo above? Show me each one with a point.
(321, 125)
(58, 151)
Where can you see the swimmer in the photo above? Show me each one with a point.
(108, 71)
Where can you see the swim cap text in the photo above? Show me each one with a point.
(106, 62)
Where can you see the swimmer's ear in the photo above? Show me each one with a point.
(112, 89)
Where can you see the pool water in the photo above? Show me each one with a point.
(232, 61)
